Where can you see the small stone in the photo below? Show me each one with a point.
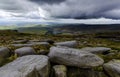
(25, 51)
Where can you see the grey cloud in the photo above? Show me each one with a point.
(47, 1)
(84, 9)
(19, 6)
(78, 9)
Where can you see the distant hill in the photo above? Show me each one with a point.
(89, 27)
(83, 28)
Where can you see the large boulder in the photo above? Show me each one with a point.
(74, 57)
(60, 71)
(71, 44)
(96, 50)
(25, 51)
(4, 52)
(112, 68)
(27, 66)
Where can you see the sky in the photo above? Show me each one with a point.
(64, 11)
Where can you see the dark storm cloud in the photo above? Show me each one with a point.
(78, 9)
(84, 9)
(47, 1)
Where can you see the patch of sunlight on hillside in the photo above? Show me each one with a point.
(7, 27)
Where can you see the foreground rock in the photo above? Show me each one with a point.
(60, 71)
(74, 57)
(96, 50)
(113, 68)
(71, 44)
(25, 51)
(27, 66)
(4, 52)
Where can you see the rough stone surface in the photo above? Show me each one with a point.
(27, 66)
(74, 57)
(71, 44)
(113, 68)
(10, 73)
(60, 71)
(20, 41)
(44, 44)
(4, 52)
(96, 50)
(39, 43)
(25, 51)
(22, 45)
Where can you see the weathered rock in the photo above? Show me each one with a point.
(96, 50)
(22, 45)
(25, 51)
(27, 66)
(113, 68)
(45, 44)
(39, 43)
(71, 44)
(74, 57)
(10, 73)
(20, 41)
(4, 52)
(60, 71)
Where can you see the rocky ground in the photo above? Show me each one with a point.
(30, 55)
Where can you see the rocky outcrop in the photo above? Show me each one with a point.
(71, 44)
(60, 71)
(113, 68)
(96, 50)
(74, 57)
(25, 51)
(27, 66)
